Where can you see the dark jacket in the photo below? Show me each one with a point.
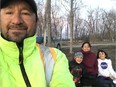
(90, 63)
(76, 70)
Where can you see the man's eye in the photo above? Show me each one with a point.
(26, 13)
(9, 12)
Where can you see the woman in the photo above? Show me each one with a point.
(106, 72)
(91, 66)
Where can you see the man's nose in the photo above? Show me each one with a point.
(17, 19)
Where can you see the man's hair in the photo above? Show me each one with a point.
(31, 3)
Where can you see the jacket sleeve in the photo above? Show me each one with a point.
(112, 72)
(96, 65)
(61, 74)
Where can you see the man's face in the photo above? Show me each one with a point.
(17, 21)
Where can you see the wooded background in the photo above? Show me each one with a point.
(54, 17)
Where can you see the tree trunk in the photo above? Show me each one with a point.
(71, 27)
(47, 22)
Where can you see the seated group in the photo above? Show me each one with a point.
(91, 70)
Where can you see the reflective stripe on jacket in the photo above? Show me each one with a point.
(48, 56)
(10, 72)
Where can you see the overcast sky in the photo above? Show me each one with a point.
(96, 3)
(106, 4)
(93, 4)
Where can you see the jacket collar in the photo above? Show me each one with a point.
(11, 51)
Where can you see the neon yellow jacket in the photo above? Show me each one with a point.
(10, 72)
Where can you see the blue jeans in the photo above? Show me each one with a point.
(106, 80)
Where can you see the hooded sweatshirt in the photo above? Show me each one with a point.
(90, 62)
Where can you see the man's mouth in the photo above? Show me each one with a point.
(17, 30)
(17, 27)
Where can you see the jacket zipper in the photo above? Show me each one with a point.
(23, 68)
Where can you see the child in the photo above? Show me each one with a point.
(76, 68)
(106, 73)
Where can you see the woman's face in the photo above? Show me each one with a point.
(86, 47)
(102, 55)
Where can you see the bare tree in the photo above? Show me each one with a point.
(109, 19)
(72, 11)
(47, 22)
(71, 25)
(40, 18)
(55, 21)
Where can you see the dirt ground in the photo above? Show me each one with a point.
(111, 50)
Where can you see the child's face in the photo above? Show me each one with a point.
(102, 55)
(78, 60)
